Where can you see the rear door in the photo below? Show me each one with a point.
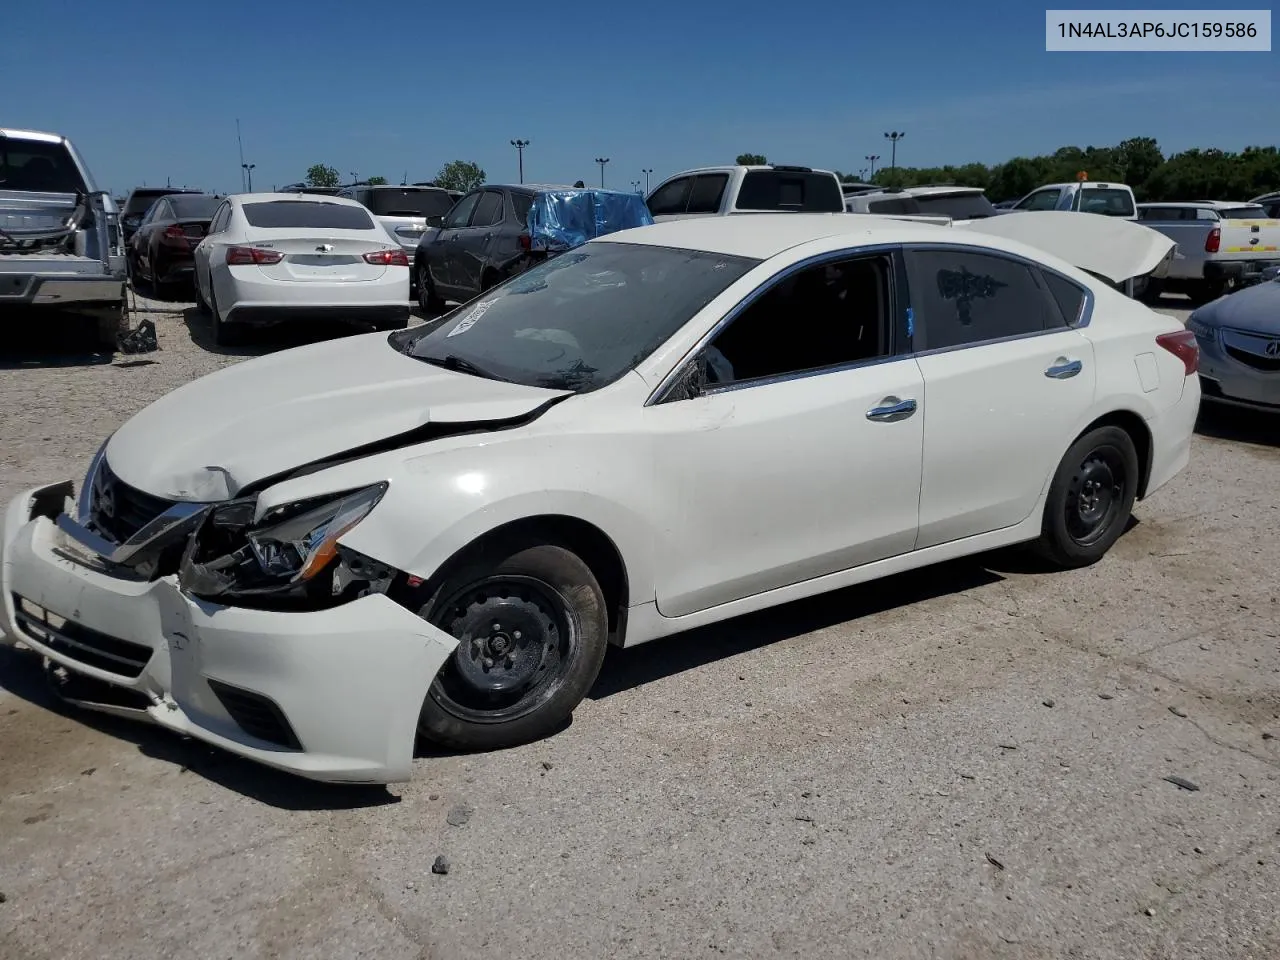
(441, 254)
(474, 242)
(1007, 377)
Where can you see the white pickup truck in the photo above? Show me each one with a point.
(1082, 196)
(60, 241)
(1221, 245)
(768, 188)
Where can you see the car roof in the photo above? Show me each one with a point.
(1199, 204)
(14, 134)
(729, 167)
(940, 190)
(764, 235)
(164, 191)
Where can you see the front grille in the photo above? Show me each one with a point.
(80, 643)
(256, 715)
(1266, 364)
(117, 510)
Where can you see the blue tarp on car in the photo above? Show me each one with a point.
(563, 219)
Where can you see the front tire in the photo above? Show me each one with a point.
(532, 630)
(1090, 500)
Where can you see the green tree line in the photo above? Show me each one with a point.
(1200, 174)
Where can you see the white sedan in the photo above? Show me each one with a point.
(312, 557)
(272, 257)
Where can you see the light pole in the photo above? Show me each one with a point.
(354, 178)
(871, 158)
(646, 171)
(893, 155)
(520, 145)
(602, 161)
(248, 172)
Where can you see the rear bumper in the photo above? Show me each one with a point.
(330, 695)
(1171, 433)
(266, 314)
(37, 289)
(1237, 270)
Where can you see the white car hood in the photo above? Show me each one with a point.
(213, 436)
(1116, 249)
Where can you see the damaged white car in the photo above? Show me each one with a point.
(313, 557)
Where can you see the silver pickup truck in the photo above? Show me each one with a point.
(60, 241)
(1221, 246)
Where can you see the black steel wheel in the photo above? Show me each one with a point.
(532, 630)
(1091, 498)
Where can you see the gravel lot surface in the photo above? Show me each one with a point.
(964, 762)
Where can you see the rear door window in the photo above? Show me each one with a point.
(707, 192)
(961, 297)
(671, 197)
(306, 214)
(790, 190)
(488, 209)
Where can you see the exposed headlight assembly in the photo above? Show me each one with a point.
(283, 554)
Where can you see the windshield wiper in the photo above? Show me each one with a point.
(454, 362)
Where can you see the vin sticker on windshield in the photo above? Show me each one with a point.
(469, 321)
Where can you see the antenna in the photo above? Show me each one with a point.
(240, 143)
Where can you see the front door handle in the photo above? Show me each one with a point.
(1063, 368)
(891, 410)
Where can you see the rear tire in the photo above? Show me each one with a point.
(532, 630)
(1090, 499)
(224, 334)
(429, 301)
(109, 325)
(1207, 291)
(201, 303)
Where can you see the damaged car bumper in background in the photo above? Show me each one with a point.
(332, 694)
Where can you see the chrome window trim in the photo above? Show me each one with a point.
(657, 395)
(1081, 322)
(1083, 319)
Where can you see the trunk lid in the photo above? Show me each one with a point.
(332, 258)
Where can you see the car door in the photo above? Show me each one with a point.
(801, 454)
(476, 239)
(206, 251)
(442, 253)
(1007, 377)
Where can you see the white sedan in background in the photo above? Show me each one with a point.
(274, 257)
(310, 558)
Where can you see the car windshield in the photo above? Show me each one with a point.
(580, 320)
(410, 202)
(195, 206)
(309, 214)
(957, 206)
(37, 166)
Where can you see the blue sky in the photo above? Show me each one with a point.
(390, 87)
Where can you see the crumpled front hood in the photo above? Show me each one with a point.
(213, 436)
(1254, 309)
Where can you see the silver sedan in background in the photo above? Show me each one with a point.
(1239, 337)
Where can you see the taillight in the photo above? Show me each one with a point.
(241, 256)
(174, 237)
(1213, 240)
(1182, 345)
(525, 243)
(388, 258)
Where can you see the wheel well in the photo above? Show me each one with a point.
(588, 541)
(1138, 432)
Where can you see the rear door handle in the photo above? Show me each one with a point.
(1063, 369)
(891, 410)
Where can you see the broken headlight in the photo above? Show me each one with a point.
(284, 553)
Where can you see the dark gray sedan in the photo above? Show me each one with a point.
(1239, 337)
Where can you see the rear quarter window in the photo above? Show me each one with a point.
(1069, 296)
(287, 214)
(792, 191)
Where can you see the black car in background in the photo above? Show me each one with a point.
(140, 201)
(160, 250)
(482, 241)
